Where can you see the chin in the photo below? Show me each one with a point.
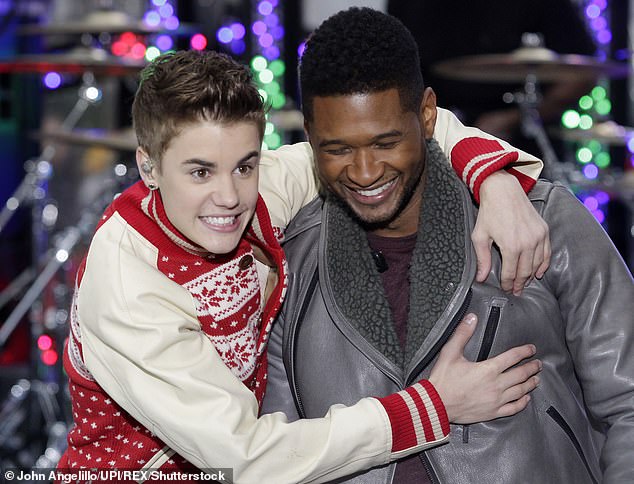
(381, 216)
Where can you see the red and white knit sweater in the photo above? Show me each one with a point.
(226, 293)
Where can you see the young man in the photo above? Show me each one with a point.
(382, 269)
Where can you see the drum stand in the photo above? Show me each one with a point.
(532, 127)
(45, 397)
(33, 405)
(39, 171)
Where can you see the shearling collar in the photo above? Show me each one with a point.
(436, 268)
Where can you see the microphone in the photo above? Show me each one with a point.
(379, 261)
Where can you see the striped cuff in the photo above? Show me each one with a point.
(475, 158)
(417, 416)
(526, 181)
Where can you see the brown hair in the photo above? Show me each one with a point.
(184, 87)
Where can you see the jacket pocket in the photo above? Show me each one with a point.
(493, 320)
(558, 418)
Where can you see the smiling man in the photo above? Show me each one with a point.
(382, 268)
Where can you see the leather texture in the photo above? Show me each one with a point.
(579, 425)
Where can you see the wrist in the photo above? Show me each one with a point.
(417, 416)
(496, 184)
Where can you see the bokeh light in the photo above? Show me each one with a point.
(52, 80)
(198, 42)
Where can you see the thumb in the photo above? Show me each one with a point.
(462, 335)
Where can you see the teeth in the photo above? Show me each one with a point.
(376, 191)
(219, 220)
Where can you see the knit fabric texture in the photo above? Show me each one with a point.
(226, 293)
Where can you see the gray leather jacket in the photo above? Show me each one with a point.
(334, 342)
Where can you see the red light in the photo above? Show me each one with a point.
(128, 37)
(198, 42)
(49, 357)
(138, 51)
(120, 48)
(44, 342)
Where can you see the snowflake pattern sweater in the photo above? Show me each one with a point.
(226, 294)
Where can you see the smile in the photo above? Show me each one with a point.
(376, 191)
(221, 223)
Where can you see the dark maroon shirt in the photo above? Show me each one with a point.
(397, 253)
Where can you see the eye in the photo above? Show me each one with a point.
(337, 151)
(200, 173)
(245, 170)
(386, 145)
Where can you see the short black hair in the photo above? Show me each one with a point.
(360, 50)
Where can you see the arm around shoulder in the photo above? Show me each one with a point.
(287, 181)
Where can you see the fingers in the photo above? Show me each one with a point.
(524, 271)
(514, 407)
(454, 348)
(509, 269)
(482, 246)
(546, 261)
(512, 357)
(518, 391)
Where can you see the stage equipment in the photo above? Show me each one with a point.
(544, 64)
(105, 21)
(123, 140)
(78, 61)
(607, 132)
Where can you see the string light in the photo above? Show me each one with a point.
(593, 155)
(266, 63)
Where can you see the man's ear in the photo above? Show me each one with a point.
(307, 130)
(428, 112)
(145, 166)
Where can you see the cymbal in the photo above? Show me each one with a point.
(95, 61)
(289, 119)
(618, 184)
(514, 67)
(113, 22)
(607, 132)
(124, 140)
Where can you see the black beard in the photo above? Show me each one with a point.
(408, 194)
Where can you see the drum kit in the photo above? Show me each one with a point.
(34, 418)
(533, 65)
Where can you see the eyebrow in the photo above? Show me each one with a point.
(212, 164)
(379, 137)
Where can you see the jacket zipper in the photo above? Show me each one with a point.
(302, 312)
(561, 422)
(489, 333)
(485, 350)
(436, 348)
(443, 339)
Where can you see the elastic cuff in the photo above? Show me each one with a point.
(417, 416)
(475, 158)
(526, 181)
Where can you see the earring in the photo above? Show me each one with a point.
(147, 167)
(152, 186)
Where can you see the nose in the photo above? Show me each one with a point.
(225, 193)
(365, 169)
